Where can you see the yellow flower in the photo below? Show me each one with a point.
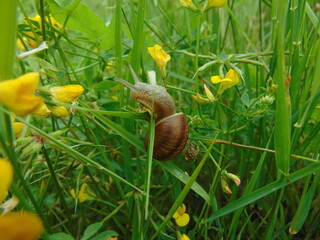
(181, 217)
(6, 175)
(43, 110)
(59, 111)
(188, 4)
(85, 194)
(230, 80)
(66, 93)
(160, 57)
(184, 237)
(31, 39)
(20, 226)
(109, 67)
(15, 225)
(37, 19)
(215, 4)
(17, 128)
(17, 94)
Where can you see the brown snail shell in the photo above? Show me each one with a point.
(171, 135)
(171, 130)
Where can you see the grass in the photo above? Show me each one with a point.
(265, 129)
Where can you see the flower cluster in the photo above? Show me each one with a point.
(15, 225)
(18, 95)
(63, 94)
(34, 35)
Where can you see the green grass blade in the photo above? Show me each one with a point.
(282, 121)
(183, 193)
(266, 190)
(304, 205)
(183, 177)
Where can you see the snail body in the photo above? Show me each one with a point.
(171, 129)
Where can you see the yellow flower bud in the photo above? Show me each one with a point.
(6, 175)
(59, 111)
(209, 93)
(188, 4)
(215, 4)
(225, 186)
(200, 99)
(234, 178)
(17, 128)
(66, 94)
(184, 237)
(160, 57)
(43, 111)
(17, 94)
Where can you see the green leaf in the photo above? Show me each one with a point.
(105, 235)
(304, 207)
(81, 18)
(104, 85)
(60, 236)
(91, 230)
(245, 99)
(183, 177)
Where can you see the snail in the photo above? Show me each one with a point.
(171, 129)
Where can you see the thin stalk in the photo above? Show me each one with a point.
(196, 60)
(60, 190)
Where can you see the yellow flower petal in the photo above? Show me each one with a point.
(200, 99)
(17, 128)
(233, 75)
(43, 110)
(59, 111)
(6, 175)
(188, 4)
(208, 93)
(182, 220)
(66, 93)
(230, 80)
(182, 209)
(17, 94)
(184, 237)
(218, 79)
(159, 56)
(73, 194)
(215, 4)
(85, 193)
(20, 226)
